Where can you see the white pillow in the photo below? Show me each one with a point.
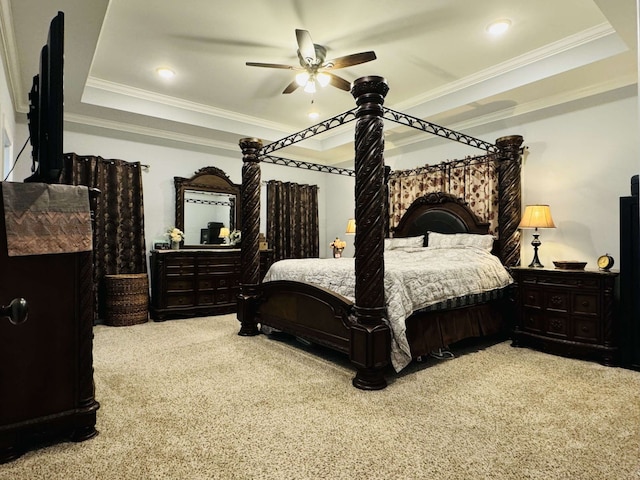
(391, 243)
(440, 240)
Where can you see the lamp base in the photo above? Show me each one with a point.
(535, 263)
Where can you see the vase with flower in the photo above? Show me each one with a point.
(338, 246)
(176, 236)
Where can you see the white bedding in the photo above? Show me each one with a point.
(415, 278)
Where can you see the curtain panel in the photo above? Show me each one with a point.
(119, 243)
(474, 179)
(292, 220)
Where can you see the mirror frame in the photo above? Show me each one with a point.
(207, 179)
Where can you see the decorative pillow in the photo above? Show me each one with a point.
(485, 242)
(391, 243)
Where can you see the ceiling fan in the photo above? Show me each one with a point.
(314, 68)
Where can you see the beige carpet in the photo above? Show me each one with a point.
(189, 399)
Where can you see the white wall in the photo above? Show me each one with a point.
(579, 161)
(7, 124)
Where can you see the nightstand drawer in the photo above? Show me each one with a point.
(533, 321)
(585, 304)
(586, 329)
(557, 301)
(557, 326)
(531, 297)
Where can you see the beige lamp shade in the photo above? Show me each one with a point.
(351, 226)
(224, 232)
(537, 216)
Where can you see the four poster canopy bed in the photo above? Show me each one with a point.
(393, 302)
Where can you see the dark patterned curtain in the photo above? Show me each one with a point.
(473, 179)
(292, 220)
(119, 244)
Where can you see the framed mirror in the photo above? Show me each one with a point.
(206, 204)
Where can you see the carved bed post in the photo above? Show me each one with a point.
(250, 254)
(370, 335)
(510, 198)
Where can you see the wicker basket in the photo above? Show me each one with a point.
(127, 301)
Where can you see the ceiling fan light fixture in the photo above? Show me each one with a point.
(499, 26)
(310, 87)
(323, 79)
(302, 78)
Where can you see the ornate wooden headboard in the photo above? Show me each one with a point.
(438, 212)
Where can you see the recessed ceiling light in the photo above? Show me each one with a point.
(166, 72)
(499, 26)
(313, 112)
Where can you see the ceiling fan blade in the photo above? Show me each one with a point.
(338, 82)
(270, 65)
(291, 87)
(349, 60)
(306, 48)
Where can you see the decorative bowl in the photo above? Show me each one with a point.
(569, 264)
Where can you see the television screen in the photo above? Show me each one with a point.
(46, 108)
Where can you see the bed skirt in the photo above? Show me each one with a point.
(434, 330)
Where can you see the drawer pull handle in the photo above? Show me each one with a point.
(585, 303)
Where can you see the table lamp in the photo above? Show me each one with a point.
(536, 216)
(351, 226)
(224, 233)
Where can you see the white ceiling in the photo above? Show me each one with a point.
(439, 62)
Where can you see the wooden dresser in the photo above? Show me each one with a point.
(197, 282)
(567, 312)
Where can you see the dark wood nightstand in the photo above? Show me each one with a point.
(567, 312)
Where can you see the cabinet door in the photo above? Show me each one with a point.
(38, 358)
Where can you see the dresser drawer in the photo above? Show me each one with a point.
(217, 282)
(180, 282)
(223, 269)
(179, 260)
(180, 269)
(180, 299)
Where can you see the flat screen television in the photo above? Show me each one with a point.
(46, 108)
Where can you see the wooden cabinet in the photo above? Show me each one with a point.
(46, 362)
(190, 283)
(568, 312)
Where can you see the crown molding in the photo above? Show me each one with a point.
(143, 131)
(549, 51)
(148, 96)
